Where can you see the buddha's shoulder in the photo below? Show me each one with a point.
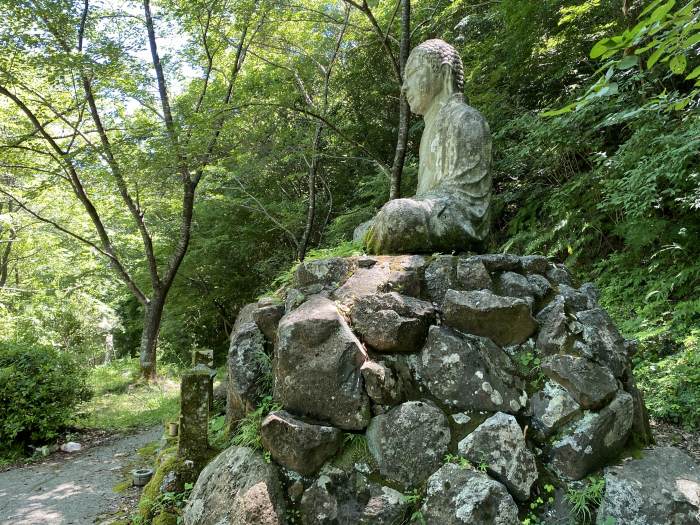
(461, 116)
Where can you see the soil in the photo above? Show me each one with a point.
(76, 488)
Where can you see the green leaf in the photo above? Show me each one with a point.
(601, 47)
(654, 58)
(691, 41)
(695, 73)
(560, 111)
(628, 62)
(661, 11)
(678, 64)
(650, 7)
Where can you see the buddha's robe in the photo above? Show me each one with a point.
(450, 211)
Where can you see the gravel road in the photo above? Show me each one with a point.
(73, 488)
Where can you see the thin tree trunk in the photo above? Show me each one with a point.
(152, 318)
(404, 114)
(311, 211)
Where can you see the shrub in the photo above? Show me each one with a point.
(39, 390)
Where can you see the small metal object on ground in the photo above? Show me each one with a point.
(173, 429)
(142, 476)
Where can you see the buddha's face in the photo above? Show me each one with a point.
(421, 84)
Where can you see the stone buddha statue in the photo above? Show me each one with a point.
(450, 211)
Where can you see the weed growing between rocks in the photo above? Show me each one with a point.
(585, 500)
(248, 430)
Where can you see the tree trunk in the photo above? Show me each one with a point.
(153, 316)
(311, 210)
(404, 115)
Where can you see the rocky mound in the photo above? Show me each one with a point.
(445, 389)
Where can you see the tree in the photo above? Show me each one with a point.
(85, 74)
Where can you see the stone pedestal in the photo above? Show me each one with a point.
(194, 415)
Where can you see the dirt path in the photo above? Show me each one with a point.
(71, 489)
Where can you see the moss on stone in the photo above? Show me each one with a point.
(165, 518)
(167, 462)
(122, 486)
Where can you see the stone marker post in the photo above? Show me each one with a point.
(203, 359)
(194, 415)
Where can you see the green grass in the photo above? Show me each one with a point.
(121, 401)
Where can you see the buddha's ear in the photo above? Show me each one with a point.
(447, 77)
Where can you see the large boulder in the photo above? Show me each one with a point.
(468, 373)
(321, 274)
(297, 445)
(236, 488)
(590, 442)
(390, 322)
(459, 496)
(267, 316)
(317, 366)
(552, 408)
(661, 488)
(500, 444)
(603, 340)
(591, 385)
(339, 497)
(505, 320)
(409, 442)
(384, 386)
(248, 367)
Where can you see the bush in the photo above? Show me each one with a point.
(39, 390)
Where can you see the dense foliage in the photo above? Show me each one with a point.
(40, 388)
(596, 158)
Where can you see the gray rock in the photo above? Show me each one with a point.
(468, 373)
(409, 442)
(440, 276)
(499, 442)
(458, 496)
(317, 366)
(245, 315)
(358, 234)
(575, 300)
(391, 322)
(400, 274)
(590, 442)
(383, 385)
(472, 275)
(559, 274)
(552, 408)
(554, 336)
(535, 264)
(591, 292)
(500, 262)
(329, 273)
(591, 385)
(662, 488)
(513, 284)
(293, 299)
(248, 367)
(236, 488)
(298, 445)
(604, 340)
(539, 285)
(338, 497)
(267, 317)
(505, 320)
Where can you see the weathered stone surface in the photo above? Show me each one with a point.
(440, 276)
(539, 285)
(329, 273)
(575, 300)
(391, 322)
(552, 408)
(400, 274)
(500, 262)
(236, 488)
(513, 284)
(468, 372)
(267, 317)
(505, 320)
(247, 365)
(472, 275)
(591, 385)
(662, 488)
(383, 385)
(554, 336)
(293, 299)
(317, 366)
(534, 264)
(194, 415)
(499, 442)
(245, 315)
(593, 440)
(298, 445)
(409, 442)
(604, 340)
(338, 497)
(559, 274)
(457, 496)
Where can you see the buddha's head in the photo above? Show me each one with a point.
(432, 68)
